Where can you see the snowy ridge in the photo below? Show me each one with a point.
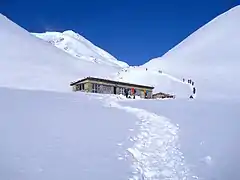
(79, 47)
(210, 56)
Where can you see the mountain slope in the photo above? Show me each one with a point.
(28, 62)
(154, 77)
(77, 46)
(210, 57)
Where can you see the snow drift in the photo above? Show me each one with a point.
(49, 135)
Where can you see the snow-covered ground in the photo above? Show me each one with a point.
(50, 135)
(207, 132)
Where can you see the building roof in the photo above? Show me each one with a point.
(111, 81)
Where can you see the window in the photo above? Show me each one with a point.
(121, 90)
(94, 88)
(79, 87)
(138, 92)
(82, 87)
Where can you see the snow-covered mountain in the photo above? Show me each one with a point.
(210, 57)
(29, 62)
(79, 47)
(33, 63)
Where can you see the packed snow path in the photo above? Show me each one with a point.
(156, 153)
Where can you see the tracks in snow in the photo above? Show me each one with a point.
(156, 153)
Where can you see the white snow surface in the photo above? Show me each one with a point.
(205, 144)
(29, 62)
(50, 135)
(210, 57)
(79, 47)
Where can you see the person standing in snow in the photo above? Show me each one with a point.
(126, 92)
(132, 92)
(194, 90)
(146, 94)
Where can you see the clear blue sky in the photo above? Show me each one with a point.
(131, 30)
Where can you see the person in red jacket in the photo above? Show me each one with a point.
(133, 92)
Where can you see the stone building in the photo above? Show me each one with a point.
(105, 86)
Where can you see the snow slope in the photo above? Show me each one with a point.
(77, 46)
(28, 62)
(210, 57)
(161, 81)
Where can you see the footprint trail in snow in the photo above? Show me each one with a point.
(156, 152)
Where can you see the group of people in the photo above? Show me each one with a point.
(194, 88)
(131, 93)
(189, 81)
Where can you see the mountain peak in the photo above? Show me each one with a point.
(79, 47)
(73, 34)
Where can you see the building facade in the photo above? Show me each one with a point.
(104, 86)
(161, 95)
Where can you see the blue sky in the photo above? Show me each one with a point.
(132, 30)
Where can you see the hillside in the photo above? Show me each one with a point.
(79, 47)
(161, 81)
(210, 57)
(30, 63)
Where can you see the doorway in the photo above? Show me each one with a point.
(114, 90)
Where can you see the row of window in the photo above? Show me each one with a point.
(79, 87)
(106, 89)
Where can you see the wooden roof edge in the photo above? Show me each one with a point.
(78, 81)
(163, 93)
(108, 80)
